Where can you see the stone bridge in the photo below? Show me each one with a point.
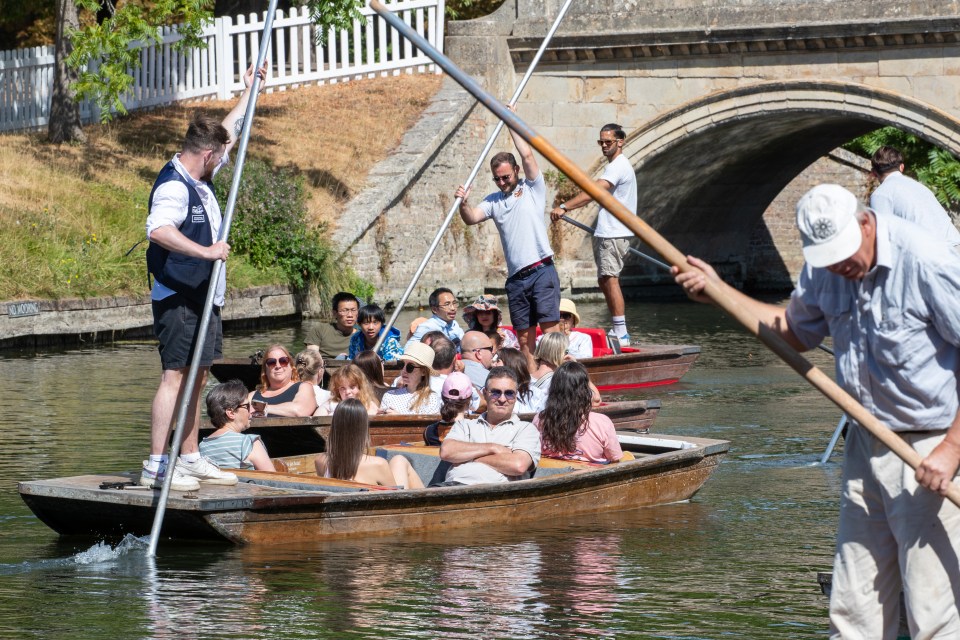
(732, 107)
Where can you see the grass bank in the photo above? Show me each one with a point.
(70, 213)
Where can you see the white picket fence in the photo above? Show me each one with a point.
(166, 76)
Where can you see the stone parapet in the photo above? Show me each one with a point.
(36, 323)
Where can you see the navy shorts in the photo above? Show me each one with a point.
(535, 298)
(175, 323)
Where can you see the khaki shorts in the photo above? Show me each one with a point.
(609, 253)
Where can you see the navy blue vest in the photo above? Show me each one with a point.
(188, 276)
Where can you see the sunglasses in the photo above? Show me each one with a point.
(490, 349)
(245, 405)
(566, 316)
(499, 179)
(272, 362)
(606, 143)
(509, 394)
(410, 367)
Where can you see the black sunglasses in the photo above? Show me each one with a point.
(245, 405)
(410, 367)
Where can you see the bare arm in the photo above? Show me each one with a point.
(171, 239)
(695, 281)
(259, 458)
(233, 123)
(527, 160)
(503, 459)
(582, 199)
(469, 214)
(458, 451)
(514, 463)
(302, 405)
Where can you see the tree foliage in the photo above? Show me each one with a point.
(470, 9)
(935, 167)
(115, 44)
(334, 14)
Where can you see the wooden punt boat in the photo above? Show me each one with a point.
(275, 508)
(292, 436)
(635, 368)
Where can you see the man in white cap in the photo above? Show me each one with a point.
(888, 293)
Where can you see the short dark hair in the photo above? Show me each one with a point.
(886, 159)
(430, 336)
(502, 372)
(435, 296)
(444, 352)
(205, 132)
(343, 296)
(223, 397)
(618, 132)
(504, 157)
(371, 312)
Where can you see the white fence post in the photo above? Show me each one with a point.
(166, 75)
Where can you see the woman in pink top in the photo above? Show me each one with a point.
(568, 429)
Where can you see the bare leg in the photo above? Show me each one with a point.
(164, 408)
(528, 342)
(610, 286)
(403, 473)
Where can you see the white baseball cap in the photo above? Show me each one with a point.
(827, 219)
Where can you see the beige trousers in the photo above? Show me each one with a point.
(890, 527)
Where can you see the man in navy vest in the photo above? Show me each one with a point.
(182, 226)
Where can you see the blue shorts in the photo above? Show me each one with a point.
(535, 298)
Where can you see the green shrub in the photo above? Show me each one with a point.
(269, 224)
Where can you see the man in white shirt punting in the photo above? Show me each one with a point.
(611, 238)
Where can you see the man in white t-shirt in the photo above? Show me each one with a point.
(611, 238)
(533, 286)
(906, 198)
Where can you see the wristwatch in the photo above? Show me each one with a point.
(563, 206)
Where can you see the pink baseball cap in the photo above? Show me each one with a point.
(457, 386)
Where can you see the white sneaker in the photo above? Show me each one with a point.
(624, 339)
(205, 471)
(154, 479)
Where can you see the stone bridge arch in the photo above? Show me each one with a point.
(709, 169)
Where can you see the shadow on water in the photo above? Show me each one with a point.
(738, 560)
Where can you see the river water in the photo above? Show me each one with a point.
(739, 560)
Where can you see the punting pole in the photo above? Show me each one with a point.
(840, 425)
(473, 174)
(834, 439)
(214, 276)
(635, 252)
(658, 243)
